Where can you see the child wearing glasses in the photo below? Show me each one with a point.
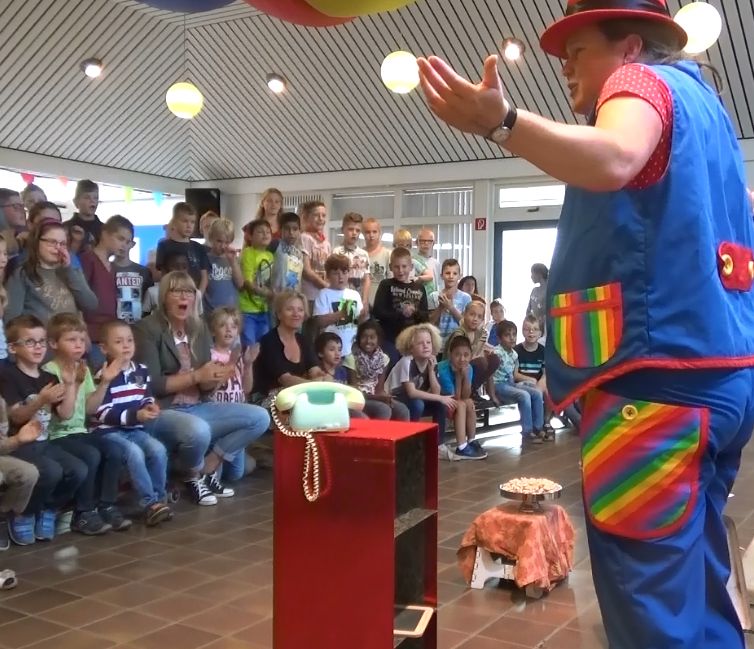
(46, 283)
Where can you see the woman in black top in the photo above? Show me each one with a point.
(285, 357)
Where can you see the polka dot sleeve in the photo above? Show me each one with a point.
(637, 80)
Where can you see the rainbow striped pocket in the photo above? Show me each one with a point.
(640, 464)
(586, 326)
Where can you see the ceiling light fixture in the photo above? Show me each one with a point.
(400, 72)
(703, 24)
(513, 48)
(92, 67)
(276, 83)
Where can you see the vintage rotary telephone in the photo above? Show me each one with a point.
(314, 408)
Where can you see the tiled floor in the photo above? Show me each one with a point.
(204, 580)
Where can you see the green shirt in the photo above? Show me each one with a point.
(256, 267)
(77, 423)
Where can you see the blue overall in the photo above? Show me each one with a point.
(651, 318)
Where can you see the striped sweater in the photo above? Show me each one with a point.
(125, 396)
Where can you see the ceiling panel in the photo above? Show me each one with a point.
(336, 115)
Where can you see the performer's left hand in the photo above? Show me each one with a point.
(471, 107)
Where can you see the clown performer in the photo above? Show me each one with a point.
(650, 306)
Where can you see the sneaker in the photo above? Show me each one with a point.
(4, 536)
(200, 492)
(156, 513)
(21, 529)
(476, 445)
(114, 518)
(531, 438)
(548, 435)
(63, 522)
(470, 453)
(444, 452)
(44, 526)
(213, 483)
(89, 523)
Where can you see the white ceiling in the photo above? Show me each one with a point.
(336, 116)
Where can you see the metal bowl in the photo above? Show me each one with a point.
(530, 502)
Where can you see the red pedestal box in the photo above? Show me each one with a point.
(342, 563)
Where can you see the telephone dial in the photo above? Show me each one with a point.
(314, 408)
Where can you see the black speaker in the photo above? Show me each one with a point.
(203, 199)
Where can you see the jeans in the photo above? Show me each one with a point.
(418, 407)
(395, 410)
(530, 402)
(60, 476)
(146, 460)
(190, 431)
(254, 326)
(104, 461)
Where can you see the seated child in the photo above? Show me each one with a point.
(366, 367)
(33, 395)
(225, 326)
(497, 314)
(66, 333)
(329, 351)
(338, 308)
(531, 366)
(17, 478)
(455, 375)
(529, 399)
(483, 359)
(127, 404)
(413, 381)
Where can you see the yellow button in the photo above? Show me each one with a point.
(630, 412)
(727, 264)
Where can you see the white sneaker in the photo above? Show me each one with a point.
(444, 452)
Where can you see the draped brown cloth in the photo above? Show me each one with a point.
(541, 543)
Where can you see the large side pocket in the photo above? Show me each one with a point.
(587, 326)
(641, 463)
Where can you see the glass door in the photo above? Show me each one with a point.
(518, 245)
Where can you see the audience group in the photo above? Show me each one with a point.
(166, 374)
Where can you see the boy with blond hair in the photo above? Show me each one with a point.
(359, 278)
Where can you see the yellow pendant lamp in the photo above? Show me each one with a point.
(347, 8)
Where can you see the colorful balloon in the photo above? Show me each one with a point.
(187, 6)
(341, 8)
(298, 12)
(27, 178)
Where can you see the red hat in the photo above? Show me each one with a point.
(580, 13)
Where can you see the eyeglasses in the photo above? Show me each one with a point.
(182, 292)
(54, 242)
(30, 343)
(425, 240)
(17, 206)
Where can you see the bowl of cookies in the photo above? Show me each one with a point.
(531, 492)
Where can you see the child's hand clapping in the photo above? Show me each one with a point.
(148, 413)
(250, 355)
(52, 393)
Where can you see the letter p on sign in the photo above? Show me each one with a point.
(480, 224)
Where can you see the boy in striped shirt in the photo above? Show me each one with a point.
(126, 407)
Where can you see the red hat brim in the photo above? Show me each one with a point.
(556, 36)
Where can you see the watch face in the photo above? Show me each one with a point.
(500, 135)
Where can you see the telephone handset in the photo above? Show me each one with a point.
(315, 407)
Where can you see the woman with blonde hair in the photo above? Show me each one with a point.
(175, 345)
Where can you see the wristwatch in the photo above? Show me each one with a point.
(500, 134)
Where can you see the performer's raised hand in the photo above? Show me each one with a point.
(471, 107)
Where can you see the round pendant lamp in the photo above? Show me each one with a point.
(357, 7)
(187, 6)
(703, 24)
(400, 72)
(184, 100)
(298, 12)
